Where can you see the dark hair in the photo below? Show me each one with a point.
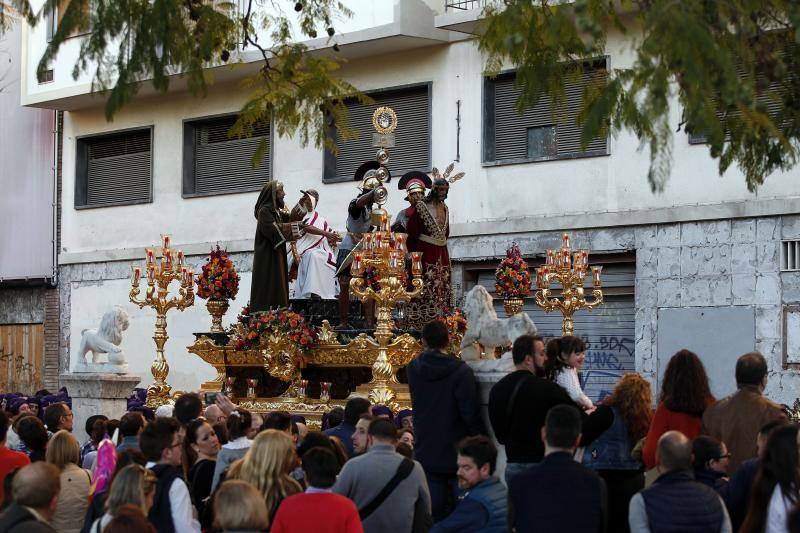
(382, 429)
(314, 439)
(189, 455)
(129, 518)
(4, 423)
(684, 388)
(556, 346)
(750, 369)
(382, 411)
(321, 467)
(354, 408)
(435, 335)
(99, 431)
(157, 436)
(333, 418)
(778, 468)
(767, 428)
(705, 449)
(131, 423)
(8, 483)
(188, 407)
(91, 420)
(280, 420)
(42, 392)
(238, 423)
(53, 413)
(404, 449)
(32, 433)
(523, 347)
(481, 450)
(563, 426)
(221, 431)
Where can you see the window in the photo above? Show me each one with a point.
(536, 134)
(214, 163)
(55, 17)
(412, 150)
(114, 169)
(790, 256)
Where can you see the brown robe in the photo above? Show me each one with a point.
(270, 287)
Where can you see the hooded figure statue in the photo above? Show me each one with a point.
(270, 286)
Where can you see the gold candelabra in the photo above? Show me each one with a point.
(379, 266)
(569, 269)
(159, 276)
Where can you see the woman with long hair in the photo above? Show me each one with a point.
(775, 489)
(239, 425)
(267, 466)
(564, 356)
(64, 452)
(685, 394)
(610, 453)
(200, 450)
(134, 485)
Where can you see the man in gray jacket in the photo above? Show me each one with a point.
(364, 477)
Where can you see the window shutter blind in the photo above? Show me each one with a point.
(412, 138)
(510, 127)
(223, 164)
(119, 169)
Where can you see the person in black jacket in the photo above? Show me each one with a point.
(519, 402)
(558, 494)
(444, 396)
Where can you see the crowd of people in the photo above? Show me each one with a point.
(694, 464)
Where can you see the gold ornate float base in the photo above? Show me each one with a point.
(275, 355)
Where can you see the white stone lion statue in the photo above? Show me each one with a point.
(485, 329)
(105, 339)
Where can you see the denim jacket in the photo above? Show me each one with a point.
(612, 449)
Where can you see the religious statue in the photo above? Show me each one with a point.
(428, 228)
(415, 183)
(104, 340)
(270, 287)
(311, 258)
(359, 221)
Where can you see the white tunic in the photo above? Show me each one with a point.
(316, 273)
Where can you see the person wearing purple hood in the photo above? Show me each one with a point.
(405, 419)
(382, 411)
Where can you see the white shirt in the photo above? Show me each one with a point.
(181, 509)
(568, 379)
(777, 512)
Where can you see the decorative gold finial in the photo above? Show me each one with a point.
(384, 120)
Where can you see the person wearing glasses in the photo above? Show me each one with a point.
(711, 462)
(58, 416)
(172, 510)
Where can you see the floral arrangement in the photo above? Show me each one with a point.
(218, 279)
(247, 332)
(512, 278)
(372, 278)
(455, 321)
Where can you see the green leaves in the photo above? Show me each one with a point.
(729, 69)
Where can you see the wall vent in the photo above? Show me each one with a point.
(790, 256)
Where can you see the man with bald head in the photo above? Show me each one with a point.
(35, 493)
(675, 501)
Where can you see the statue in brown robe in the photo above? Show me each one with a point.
(270, 287)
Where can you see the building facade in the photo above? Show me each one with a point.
(705, 265)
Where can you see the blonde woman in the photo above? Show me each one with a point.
(238, 507)
(133, 485)
(64, 452)
(266, 466)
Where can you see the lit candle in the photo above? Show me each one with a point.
(539, 278)
(302, 388)
(167, 259)
(551, 257)
(585, 259)
(184, 277)
(325, 391)
(565, 253)
(358, 265)
(393, 260)
(164, 241)
(384, 223)
(385, 242)
(180, 258)
(596, 271)
(565, 238)
(136, 272)
(151, 258)
(151, 273)
(416, 263)
(368, 241)
(400, 238)
(378, 240)
(190, 277)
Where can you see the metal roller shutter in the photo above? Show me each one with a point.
(608, 330)
(223, 164)
(119, 169)
(510, 127)
(412, 150)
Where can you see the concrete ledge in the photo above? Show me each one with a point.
(95, 393)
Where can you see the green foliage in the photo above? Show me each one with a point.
(731, 66)
(134, 42)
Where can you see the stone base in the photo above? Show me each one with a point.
(97, 394)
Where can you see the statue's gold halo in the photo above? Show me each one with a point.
(384, 120)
